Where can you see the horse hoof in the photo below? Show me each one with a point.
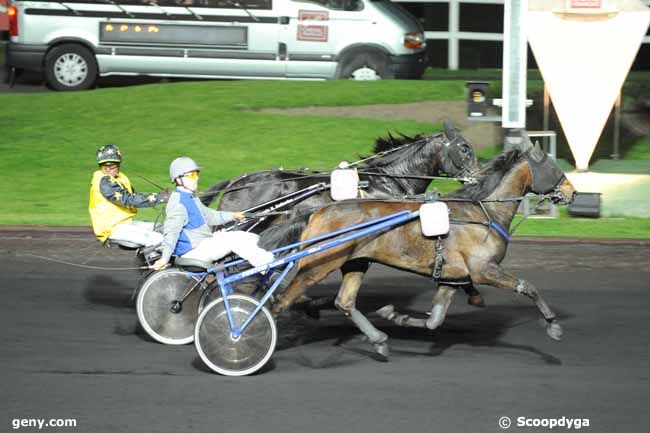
(387, 312)
(554, 330)
(382, 351)
(476, 301)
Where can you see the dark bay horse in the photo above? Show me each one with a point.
(445, 153)
(472, 252)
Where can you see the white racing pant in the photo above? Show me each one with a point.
(139, 232)
(244, 244)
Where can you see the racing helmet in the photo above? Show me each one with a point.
(108, 153)
(180, 166)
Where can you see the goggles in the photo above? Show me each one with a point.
(192, 175)
(110, 166)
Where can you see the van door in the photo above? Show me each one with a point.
(258, 56)
(211, 38)
(315, 33)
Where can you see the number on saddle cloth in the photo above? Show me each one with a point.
(434, 219)
(344, 183)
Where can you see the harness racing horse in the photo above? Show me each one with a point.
(387, 174)
(470, 253)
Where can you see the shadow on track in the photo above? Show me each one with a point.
(481, 328)
(105, 290)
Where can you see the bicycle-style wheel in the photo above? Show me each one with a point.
(161, 314)
(235, 356)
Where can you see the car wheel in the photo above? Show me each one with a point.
(70, 67)
(366, 65)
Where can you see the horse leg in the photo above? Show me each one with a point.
(309, 273)
(493, 275)
(346, 303)
(474, 297)
(294, 292)
(441, 302)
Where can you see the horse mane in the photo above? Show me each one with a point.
(405, 157)
(384, 144)
(489, 177)
(279, 235)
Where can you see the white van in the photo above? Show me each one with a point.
(74, 41)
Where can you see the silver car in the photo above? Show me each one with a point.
(76, 41)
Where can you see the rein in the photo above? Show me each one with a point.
(489, 223)
(254, 184)
(364, 171)
(325, 173)
(417, 176)
(149, 181)
(79, 265)
(389, 151)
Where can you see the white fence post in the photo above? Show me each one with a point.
(454, 28)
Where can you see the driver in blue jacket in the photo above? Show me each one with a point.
(187, 228)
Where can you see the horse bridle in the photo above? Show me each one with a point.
(458, 159)
(547, 178)
(453, 151)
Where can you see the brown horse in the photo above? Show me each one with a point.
(475, 245)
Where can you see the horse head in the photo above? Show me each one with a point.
(547, 177)
(457, 158)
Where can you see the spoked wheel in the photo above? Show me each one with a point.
(160, 310)
(235, 356)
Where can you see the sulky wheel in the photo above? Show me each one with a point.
(161, 314)
(235, 356)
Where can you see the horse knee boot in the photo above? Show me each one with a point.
(374, 335)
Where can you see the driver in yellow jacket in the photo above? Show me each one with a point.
(113, 203)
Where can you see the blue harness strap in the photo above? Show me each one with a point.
(500, 230)
(194, 220)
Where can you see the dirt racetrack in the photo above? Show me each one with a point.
(71, 350)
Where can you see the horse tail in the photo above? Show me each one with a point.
(208, 197)
(280, 235)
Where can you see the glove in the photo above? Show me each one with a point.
(239, 216)
(163, 196)
(160, 264)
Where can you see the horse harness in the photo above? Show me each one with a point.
(546, 178)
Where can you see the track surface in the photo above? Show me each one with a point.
(70, 350)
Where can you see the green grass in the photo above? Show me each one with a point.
(640, 150)
(48, 140)
(630, 228)
(622, 166)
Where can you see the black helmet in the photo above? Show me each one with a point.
(108, 153)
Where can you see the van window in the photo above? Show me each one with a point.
(337, 5)
(218, 4)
